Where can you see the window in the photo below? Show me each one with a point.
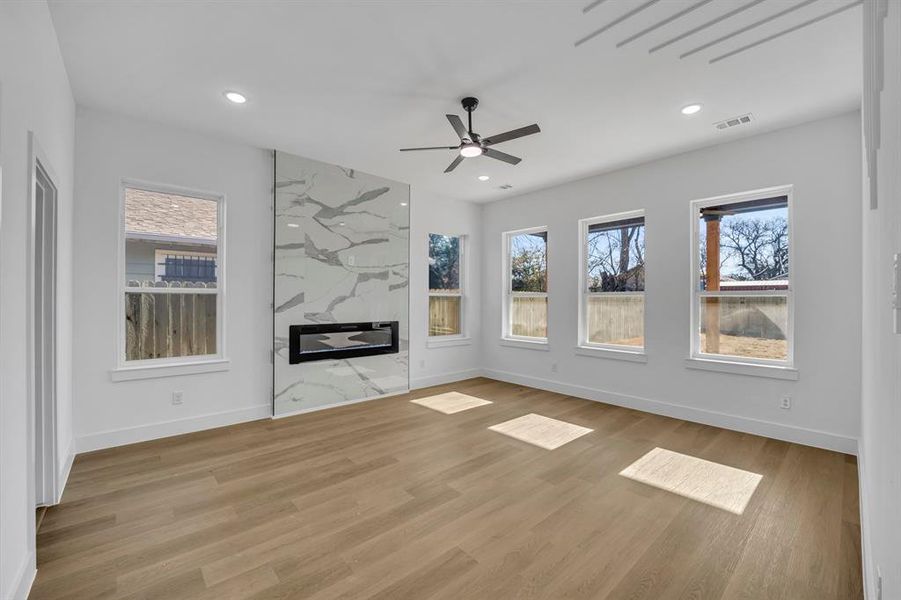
(526, 284)
(743, 294)
(172, 276)
(176, 265)
(612, 282)
(445, 285)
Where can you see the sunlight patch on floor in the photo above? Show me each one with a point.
(714, 484)
(450, 402)
(543, 432)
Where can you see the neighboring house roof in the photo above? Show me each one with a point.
(152, 215)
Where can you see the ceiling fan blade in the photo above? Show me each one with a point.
(507, 158)
(429, 148)
(511, 135)
(458, 126)
(454, 164)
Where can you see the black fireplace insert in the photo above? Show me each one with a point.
(341, 340)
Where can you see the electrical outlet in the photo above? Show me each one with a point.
(177, 398)
(351, 260)
(553, 367)
(785, 403)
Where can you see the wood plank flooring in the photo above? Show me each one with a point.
(390, 500)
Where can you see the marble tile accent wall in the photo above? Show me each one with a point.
(342, 254)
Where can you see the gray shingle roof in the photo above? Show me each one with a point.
(169, 215)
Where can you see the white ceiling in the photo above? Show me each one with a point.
(351, 82)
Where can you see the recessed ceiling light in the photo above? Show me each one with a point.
(236, 97)
(484, 178)
(294, 225)
(341, 224)
(403, 203)
(470, 150)
(691, 109)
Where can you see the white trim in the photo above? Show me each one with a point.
(444, 341)
(582, 339)
(616, 353)
(122, 365)
(777, 431)
(444, 378)
(65, 469)
(169, 369)
(694, 289)
(303, 411)
(507, 291)
(25, 576)
(49, 486)
(863, 502)
(743, 368)
(153, 431)
(529, 344)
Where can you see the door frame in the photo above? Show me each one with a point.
(45, 492)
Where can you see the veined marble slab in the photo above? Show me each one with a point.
(342, 254)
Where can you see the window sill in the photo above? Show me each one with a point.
(614, 353)
(740, 368)
(527, 344)
(446, 341)
(170, 370)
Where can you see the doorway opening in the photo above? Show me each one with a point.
(43, 334)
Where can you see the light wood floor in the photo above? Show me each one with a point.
(391, 500)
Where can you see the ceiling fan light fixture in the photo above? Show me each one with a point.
(235, 97)
(470, 150)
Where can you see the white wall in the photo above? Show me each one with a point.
(34, 96)
(880, 449)
(111, 147)
(822, 160)
(432, 213)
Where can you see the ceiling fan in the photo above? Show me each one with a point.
(472, 144)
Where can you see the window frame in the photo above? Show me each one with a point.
(437, 340)
(695, 353)
(508, 293)
(180, 365)
(584, 294)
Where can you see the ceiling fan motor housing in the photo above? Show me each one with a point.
(472, 144)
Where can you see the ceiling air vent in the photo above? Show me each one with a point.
(734, 121)
(506, 186)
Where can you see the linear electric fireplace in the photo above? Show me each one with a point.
(341, 340)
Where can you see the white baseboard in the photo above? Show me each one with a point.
(866, 553)
(63, 476)
(442, 378)
(143, 433)
(303, 411)
(788, 433)
(24, 578)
